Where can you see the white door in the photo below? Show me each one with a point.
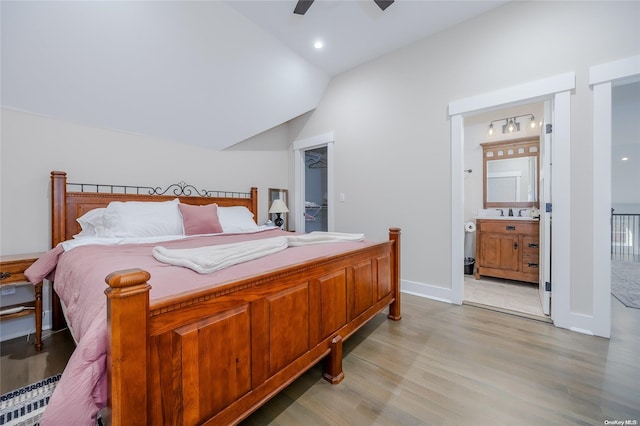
(545, 216)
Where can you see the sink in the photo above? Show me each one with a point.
(506, 217)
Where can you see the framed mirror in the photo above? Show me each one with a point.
(511, 171)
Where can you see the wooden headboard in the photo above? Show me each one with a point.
(68, 205)
(69, 201)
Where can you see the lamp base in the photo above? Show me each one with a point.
(279, 221)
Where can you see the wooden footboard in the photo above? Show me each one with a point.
(215, 356)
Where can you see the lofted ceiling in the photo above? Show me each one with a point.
(356, 31)
(209, 73)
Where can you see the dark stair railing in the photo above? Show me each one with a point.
(625, 234)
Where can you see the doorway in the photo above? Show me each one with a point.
(313, 183)
(316, 202)
(514, 286)
(625, 197)
(556, 89)
(602, 79)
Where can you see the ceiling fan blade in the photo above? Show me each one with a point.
(383, 4)
(302, 6)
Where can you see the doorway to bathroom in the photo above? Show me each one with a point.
(506, 165)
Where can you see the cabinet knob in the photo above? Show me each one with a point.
(533, 245)
(4, 275)
(533, 265)
(515, 246)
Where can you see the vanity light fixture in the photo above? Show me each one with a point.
(511, 124)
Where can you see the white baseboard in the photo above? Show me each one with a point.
(428, 291)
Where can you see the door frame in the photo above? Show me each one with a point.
(558, 89)
(299, 148)
(602, 78)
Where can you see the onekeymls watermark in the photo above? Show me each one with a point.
(620, 422)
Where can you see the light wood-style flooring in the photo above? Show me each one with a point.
(450, 365)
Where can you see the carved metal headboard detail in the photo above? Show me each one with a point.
(177, 189)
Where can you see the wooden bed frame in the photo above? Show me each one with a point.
(214, 356)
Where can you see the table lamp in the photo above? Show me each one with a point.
(278, 207)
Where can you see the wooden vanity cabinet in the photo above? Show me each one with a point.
(508, 249)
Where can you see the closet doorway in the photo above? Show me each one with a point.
(316, 202)
(313, 208)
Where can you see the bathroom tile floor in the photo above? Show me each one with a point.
(515, 297)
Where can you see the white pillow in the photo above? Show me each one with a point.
(236, 219)
(91, 222)
(141, 219)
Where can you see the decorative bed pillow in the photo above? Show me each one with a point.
(236, 219)
(200, 219)
(92, 222)
(142, 219)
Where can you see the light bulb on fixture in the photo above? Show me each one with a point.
(533, 122)
(490, 129)
(318, 44)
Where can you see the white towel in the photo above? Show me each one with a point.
(319, 237)
(208, 259)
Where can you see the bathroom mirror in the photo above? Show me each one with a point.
(511, 170)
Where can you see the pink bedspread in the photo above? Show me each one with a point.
(80, 283)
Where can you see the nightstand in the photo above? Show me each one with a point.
(12, 269)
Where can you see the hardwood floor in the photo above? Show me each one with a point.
(444, 364)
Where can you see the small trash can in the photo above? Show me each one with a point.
(469, 263)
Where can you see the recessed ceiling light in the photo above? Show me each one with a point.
(318, 44)
(625, 158)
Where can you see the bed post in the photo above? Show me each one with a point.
(58, 207)
(127, 329)
(254, 202)
(394, 307)
(58, 232)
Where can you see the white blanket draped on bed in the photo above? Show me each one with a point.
(206, 260)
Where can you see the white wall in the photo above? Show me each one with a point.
(390, 123)
(196, 72)
(31, 146)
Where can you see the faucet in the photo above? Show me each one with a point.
(510, 211)
(520, 212)
(501, 212)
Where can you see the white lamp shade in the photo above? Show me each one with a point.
(278, 206)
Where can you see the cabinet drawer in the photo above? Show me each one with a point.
(530, 264)
(12, 267)
(507, 227)
(12, 273)
(530, 246)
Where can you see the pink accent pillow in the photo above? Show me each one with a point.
(200, 219)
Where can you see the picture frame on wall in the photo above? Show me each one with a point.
(282, 194)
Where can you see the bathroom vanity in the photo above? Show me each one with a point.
(508, 248)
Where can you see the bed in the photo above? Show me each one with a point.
(213, 353)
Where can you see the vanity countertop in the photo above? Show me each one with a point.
(506, 218)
